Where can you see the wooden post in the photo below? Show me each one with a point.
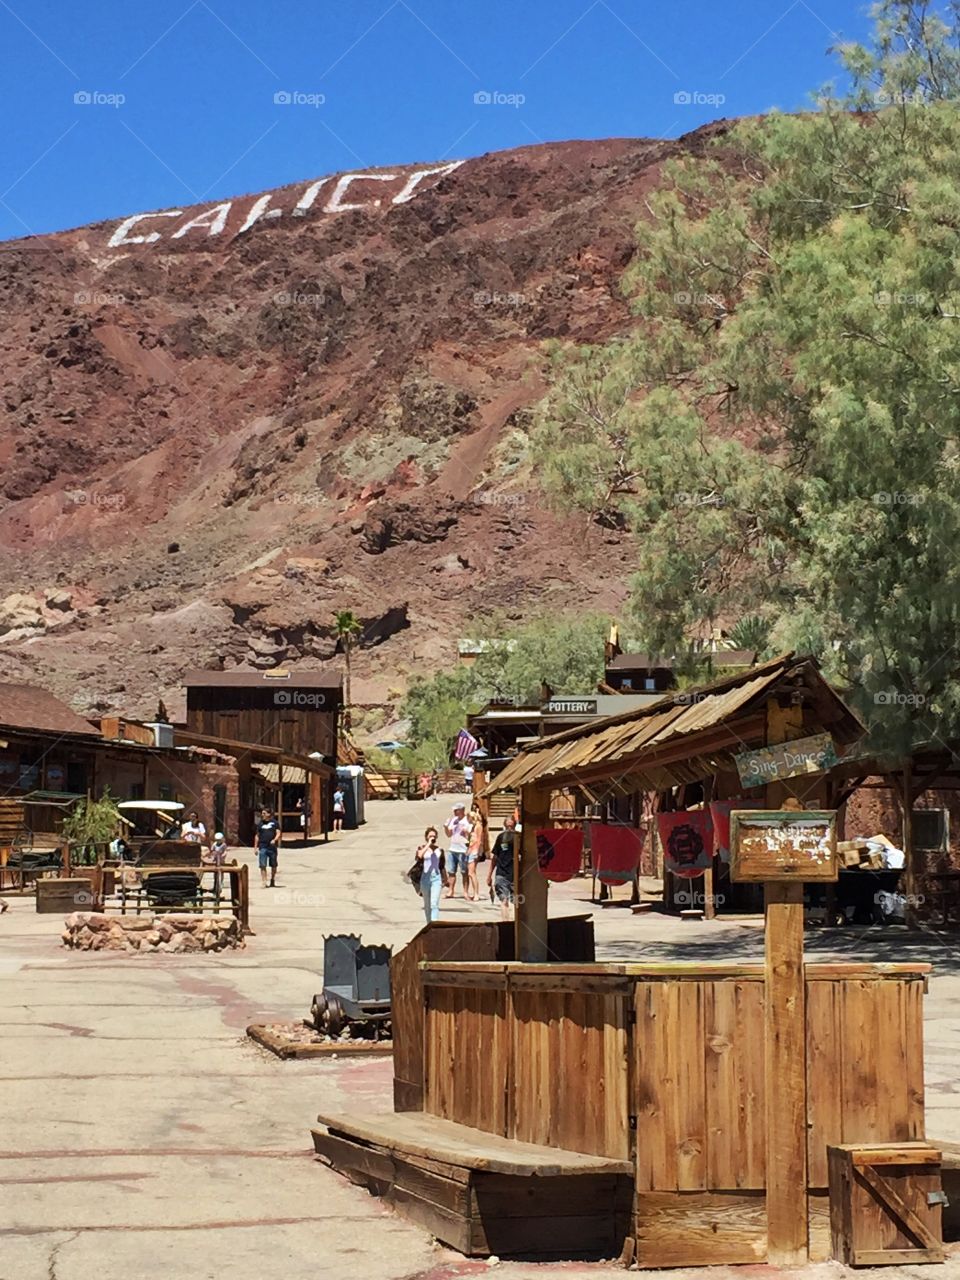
(785, 1075)
(785, 1055)
(244, 898)
(280, 802)
(530, 912)
(709, 899)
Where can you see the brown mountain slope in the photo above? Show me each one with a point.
(222, 424)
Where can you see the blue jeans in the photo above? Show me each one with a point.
(430, 883)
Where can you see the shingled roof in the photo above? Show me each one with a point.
(27, 706)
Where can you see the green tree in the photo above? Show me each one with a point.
(91, 822)
(347, 627)
(437, 708)
(781, 429)
(564, 651)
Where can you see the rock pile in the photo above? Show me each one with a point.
(171, 934)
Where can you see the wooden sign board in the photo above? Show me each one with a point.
(783, 845)
(786, 760)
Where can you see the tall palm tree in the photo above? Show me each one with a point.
(348, 626)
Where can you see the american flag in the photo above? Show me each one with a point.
(466, 745)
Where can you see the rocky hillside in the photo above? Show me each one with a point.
(222, 424)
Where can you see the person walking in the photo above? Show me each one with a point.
(474, 852)
(431, 879)
(500, 874)
(339, 807)
(266, 844)
(468, 778)
(457, 829)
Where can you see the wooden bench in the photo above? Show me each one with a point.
(481, 1193)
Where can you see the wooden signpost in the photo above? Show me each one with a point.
(783, 848)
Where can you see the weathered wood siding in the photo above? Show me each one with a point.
(564, 1056)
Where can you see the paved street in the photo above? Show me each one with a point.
(144, 1134)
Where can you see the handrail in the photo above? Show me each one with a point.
(435, 970)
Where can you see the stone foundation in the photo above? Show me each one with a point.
(170, 934)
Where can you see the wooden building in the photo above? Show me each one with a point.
(50, 757)
(282, 729)
(297, 712)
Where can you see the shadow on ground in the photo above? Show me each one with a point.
(733, 943)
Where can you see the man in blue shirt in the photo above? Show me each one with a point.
(266, 841)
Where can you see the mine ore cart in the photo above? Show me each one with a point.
(356, 989)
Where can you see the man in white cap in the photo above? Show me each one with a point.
(458, 832)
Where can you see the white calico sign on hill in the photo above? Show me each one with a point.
(339, 193)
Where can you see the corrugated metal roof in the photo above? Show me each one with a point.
(271, 773)
(634, 737)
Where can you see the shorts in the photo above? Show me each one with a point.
(456, 858)
(503, 888)
(267, 858)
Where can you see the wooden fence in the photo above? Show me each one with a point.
(664, 1064)
(568, 938)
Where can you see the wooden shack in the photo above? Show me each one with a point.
(282, 729)
(678, 1114)
(297, 712)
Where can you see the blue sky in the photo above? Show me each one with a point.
(113, 108)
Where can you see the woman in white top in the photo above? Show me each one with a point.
(431, 880)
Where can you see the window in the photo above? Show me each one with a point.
(29, 777)
(626, 682)
(76, 777)
(930, 831)
(650, 682)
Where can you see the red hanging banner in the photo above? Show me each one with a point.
(560, 852)
(687, 839)
(616, 852)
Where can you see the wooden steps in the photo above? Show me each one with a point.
(481, 1193)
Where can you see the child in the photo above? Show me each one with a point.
(216, 856)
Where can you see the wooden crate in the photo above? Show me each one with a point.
(885, 1204)
(60, 897)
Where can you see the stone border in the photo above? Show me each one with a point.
(148, 934)
(284, 1048)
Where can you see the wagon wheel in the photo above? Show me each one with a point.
(335, 1017)
(318, 1010)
